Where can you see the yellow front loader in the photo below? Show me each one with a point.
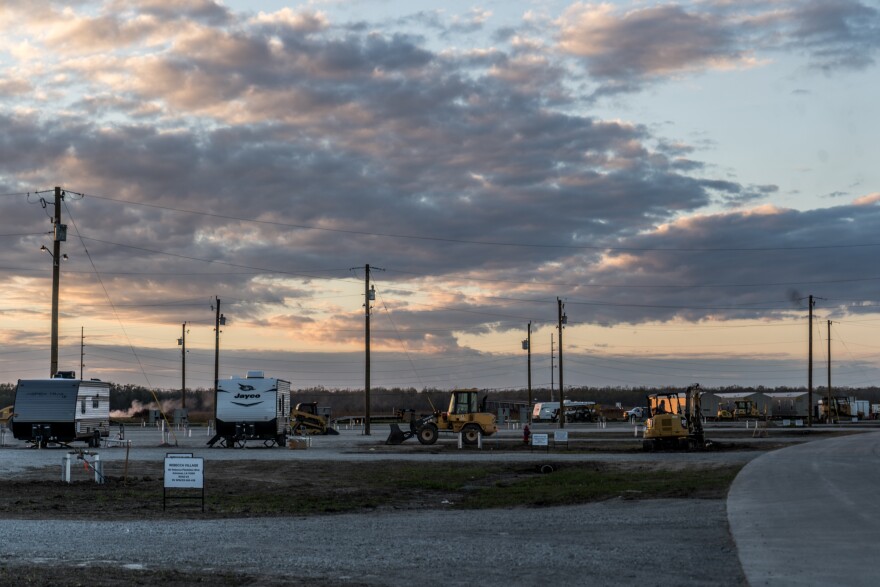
(464, 415)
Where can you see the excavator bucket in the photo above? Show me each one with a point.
(397, 436)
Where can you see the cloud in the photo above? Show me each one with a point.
(624, 49)
(260, 158)
(650, 41)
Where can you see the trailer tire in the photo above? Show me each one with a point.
(427, 434)
(471, 434)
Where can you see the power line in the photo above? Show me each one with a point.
(476, 242)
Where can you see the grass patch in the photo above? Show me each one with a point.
(582, 484)
(293, 489)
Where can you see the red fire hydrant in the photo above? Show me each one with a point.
(526, 434)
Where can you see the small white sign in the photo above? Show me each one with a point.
(185, 472)
(798, 423)
(540, 440)
(786, 422)
(560, 436)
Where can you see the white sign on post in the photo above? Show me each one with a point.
(560, 436)
(187, 472)
(540, 440)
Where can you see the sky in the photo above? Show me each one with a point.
(679, 177)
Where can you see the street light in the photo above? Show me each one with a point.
(45, 248)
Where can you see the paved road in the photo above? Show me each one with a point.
(16, 458)
(810, 514)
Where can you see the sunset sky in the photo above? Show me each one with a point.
(681, 174)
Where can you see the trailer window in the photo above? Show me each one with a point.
(82, 406)
(95, 402)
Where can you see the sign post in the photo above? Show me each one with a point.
(183, 471)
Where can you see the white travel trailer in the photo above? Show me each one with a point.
(547, 410)
(61, 410)
(252, 408)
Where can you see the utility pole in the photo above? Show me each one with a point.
(810, 368)
(369, 295)
(527, 345)
(828, 404)
(219, 320)
(562, 321)
(182, 342)
(82, 344)
(552, 365)
(60, 234)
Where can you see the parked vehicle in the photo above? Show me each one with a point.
(252, 408)
(637, 414)
(546, 411)
(465, 414)
(61, 410)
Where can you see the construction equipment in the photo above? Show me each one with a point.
(6, 414)
(841, 407)
(465, 415)
(675, 422)
(305, 419)
(741, 408)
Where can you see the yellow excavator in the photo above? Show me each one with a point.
(465, 415)
(675, 422)
(305, 419)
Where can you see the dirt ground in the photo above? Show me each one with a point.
(244, 489)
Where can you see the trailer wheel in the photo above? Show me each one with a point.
(229, 441)
(471, 434)
(428, 434)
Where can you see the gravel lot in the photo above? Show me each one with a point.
(625, 542)
(680, 542)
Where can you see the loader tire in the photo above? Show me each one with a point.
(428, 434)
(471, 434)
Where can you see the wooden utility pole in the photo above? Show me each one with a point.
(810, 369)
(82, 344)
(527, 345)
(552, 365)
(182, 343)
(562, 320)
(60, 234)
(218, 320)
(828, 405)
(367, 300)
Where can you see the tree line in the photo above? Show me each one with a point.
(351, 402)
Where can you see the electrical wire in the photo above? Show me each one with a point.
(475, 242)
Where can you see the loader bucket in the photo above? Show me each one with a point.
(397, 435)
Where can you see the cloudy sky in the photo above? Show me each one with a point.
(681, 174)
